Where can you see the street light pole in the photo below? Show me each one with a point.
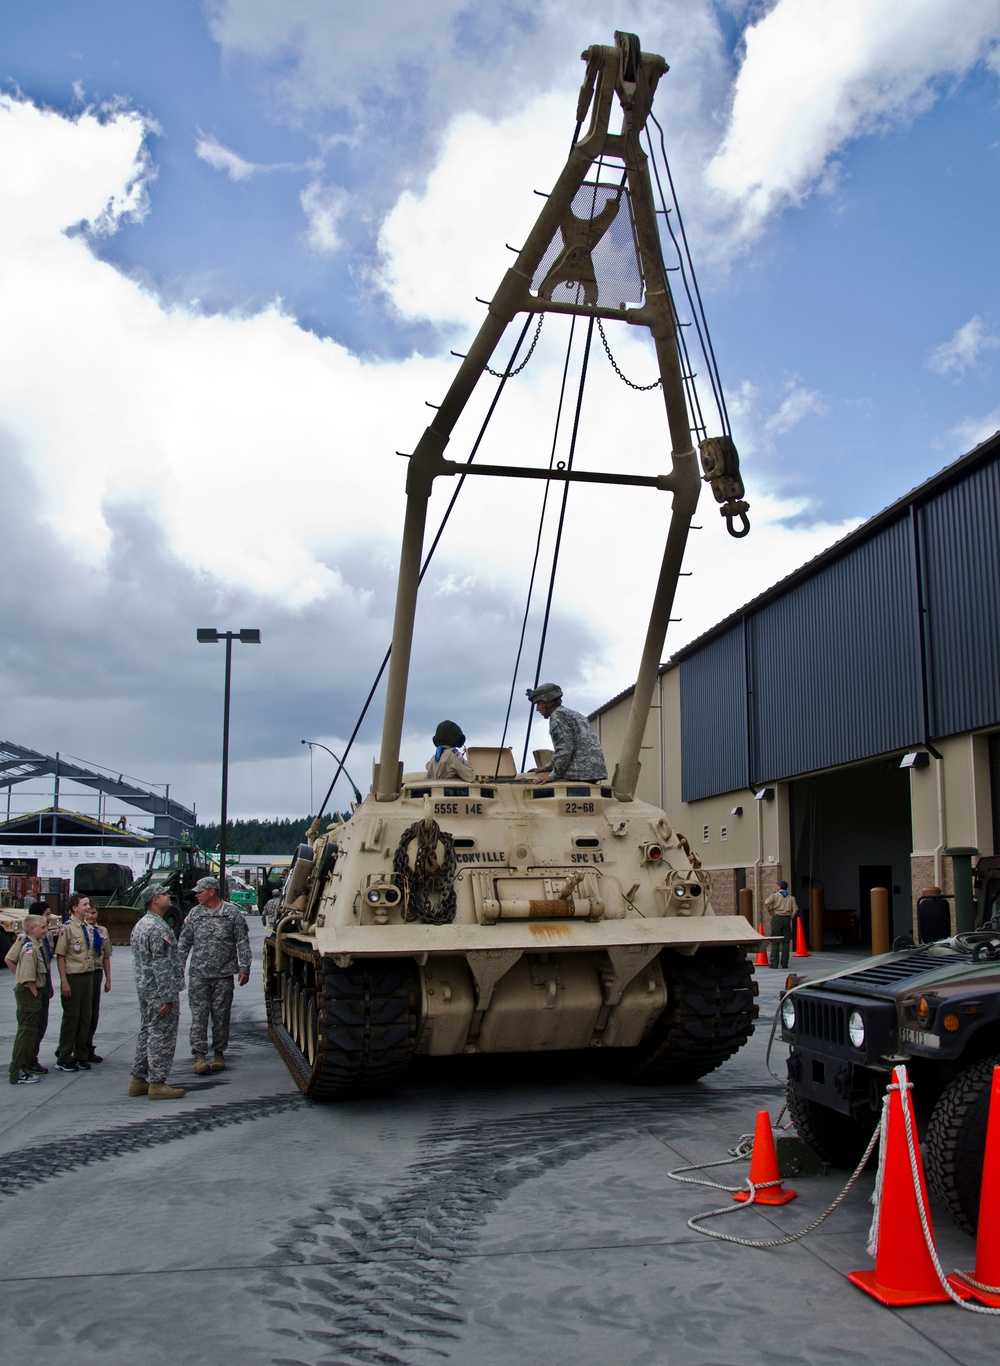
(209, 636)
(341, 769)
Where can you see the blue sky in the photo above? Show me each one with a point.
(203, 387)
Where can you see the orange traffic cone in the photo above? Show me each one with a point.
(800, 941)
(987, 1270)
(904, 1272)
(764, 1167)
(761, 960)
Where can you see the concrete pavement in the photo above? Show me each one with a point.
(490, 1211)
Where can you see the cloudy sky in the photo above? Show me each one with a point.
(238, 241)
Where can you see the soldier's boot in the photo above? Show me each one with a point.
(138, 1086)
(201, 1064)
(159, 1090)
(218, 1061)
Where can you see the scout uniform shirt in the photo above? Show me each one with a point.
(101, 946)
(76, 946)
(32, 963)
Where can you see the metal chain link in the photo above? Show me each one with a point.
(499, 374)
(615, 366)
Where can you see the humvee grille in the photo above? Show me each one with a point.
(821, 1020)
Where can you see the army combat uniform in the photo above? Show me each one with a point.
(219, 944)
(578, 752)
(31, 963)
(102, 970)
(158, 979)
(75, 946)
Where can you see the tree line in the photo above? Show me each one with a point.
(255, 836)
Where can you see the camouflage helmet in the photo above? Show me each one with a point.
(545, 692)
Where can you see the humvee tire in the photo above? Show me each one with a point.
(956, 1143)
(838, 1139)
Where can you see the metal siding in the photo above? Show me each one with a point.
(835, 663)
(713, 718)
(960, 533)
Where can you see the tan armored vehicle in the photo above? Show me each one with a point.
(502, 915)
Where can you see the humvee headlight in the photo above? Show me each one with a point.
(374, 896)
(856, 1029)
(788, 1012)
(923, 1010)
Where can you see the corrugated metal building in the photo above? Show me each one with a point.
(887, 643)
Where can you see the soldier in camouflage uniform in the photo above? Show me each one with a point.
(215, 934)
(159, 979)
(578, 754)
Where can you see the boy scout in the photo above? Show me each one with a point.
(100, 978)
(31, 981)
(75, 960)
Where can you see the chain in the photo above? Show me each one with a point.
(614, 365)
(499, 374)
(428, 881)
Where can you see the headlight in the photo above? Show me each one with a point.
(856, 1029)
(680, 891)
(374, 896)
(788, 1012)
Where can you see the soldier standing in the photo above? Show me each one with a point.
(30, 966)
(158, 982)
(75, 959)
(215, 934)
(100, 978)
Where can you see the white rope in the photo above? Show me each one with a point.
(739, 1154)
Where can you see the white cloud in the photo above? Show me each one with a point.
(220, 158)
(324, 206)
(816, 75)
(797, 404)
(963, 350)
(972, 430)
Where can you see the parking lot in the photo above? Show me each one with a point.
(491, 1210)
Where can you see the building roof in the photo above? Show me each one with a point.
(70, 827)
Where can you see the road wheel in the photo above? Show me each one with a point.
(956, 1143)
(836, 1138)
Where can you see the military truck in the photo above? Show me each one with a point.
(175, 870)
(507, 914)
(935, 1007)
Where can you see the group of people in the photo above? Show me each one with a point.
(214, 943)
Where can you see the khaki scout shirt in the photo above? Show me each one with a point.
(105, 949)
(75, 945)
(31, 965)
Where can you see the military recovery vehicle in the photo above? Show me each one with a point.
(934, 1007)
(500, 914)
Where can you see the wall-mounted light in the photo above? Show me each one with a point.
(917, 758)
(766, 794)
(736, 811)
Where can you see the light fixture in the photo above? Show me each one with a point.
(917, 758)
(765, 794)
(736, 811)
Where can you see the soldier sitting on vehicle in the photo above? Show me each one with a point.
(578, 754)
